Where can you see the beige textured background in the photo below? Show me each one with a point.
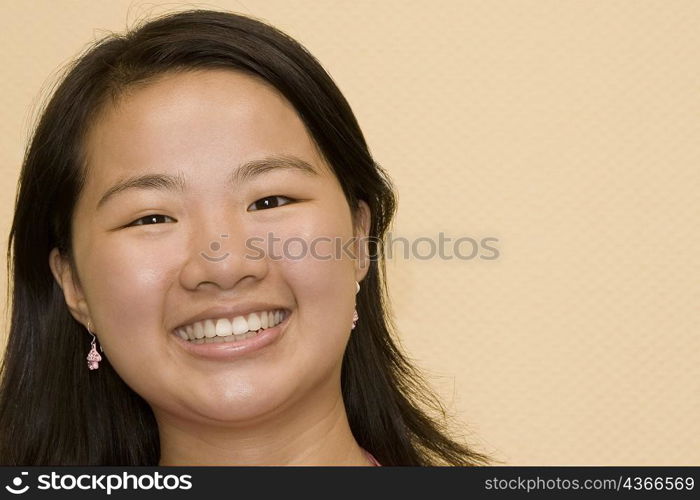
(570, 130)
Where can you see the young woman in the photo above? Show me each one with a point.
(179, 297)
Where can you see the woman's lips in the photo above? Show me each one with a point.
(226, 351)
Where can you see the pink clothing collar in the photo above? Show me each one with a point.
(371, 458)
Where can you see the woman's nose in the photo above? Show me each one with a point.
(221, 260)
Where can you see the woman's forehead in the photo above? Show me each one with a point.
(194, 108)
(196, 118)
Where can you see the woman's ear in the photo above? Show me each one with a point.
(362, 223)
(72, 292)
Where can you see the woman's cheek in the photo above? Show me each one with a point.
(129, 283)
(322, 285)
(309, 253)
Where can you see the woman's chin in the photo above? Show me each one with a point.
(233, 407)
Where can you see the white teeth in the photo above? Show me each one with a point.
(223, 327)
(230, 330)
(240, 325)
(209, 328)
(198, 330)
(253, 322)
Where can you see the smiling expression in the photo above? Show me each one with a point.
(172, 167)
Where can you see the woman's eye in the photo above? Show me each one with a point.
(269, 202)
(150, 219)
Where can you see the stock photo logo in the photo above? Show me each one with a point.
(17, 483)
(100, 483)
(215, 246)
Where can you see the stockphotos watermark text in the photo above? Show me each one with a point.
(442, 247)
(107, 483)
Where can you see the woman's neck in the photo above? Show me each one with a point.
(307, 434)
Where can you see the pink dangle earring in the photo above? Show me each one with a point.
(355, 317)
(93, 357)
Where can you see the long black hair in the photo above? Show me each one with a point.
(53, 411)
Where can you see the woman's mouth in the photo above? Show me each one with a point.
(233, 338)
(231, 329)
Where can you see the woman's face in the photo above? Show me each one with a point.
(165, 254)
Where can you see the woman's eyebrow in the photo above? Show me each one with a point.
(246, 172)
